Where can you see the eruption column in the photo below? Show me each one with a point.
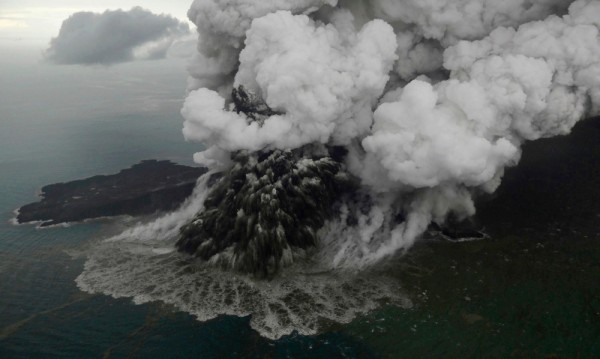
(430, 108)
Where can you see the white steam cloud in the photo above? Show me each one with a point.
(111, 37)
(324, 81)
(433, 99)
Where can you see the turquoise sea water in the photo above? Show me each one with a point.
(531, 291)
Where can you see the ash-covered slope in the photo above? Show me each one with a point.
(145, 188)
(268, 205)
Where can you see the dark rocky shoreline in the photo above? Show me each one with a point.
(547, 165)
(145, 188)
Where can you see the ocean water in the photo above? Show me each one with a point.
(530, 291)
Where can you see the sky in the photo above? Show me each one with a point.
(35, 91)
(34, 22)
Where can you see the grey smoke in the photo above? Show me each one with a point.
(114, 36)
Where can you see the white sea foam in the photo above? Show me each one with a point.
(141, 263)
(13, 221)
(294, 301)
(40, 224)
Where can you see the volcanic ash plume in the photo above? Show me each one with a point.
(421, 104)
(337, 132)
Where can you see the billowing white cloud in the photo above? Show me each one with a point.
(433, 99)
(450, 21)
(425, 27)
(421, 143)
(322, 81)
(222, 26)
(114, 36)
